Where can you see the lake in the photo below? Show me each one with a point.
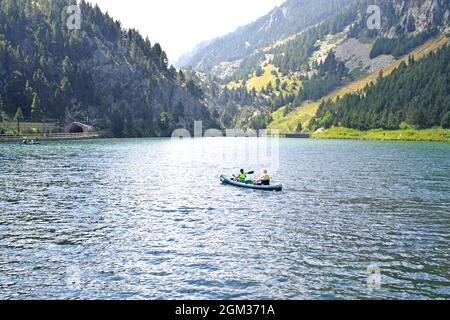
(149, 219)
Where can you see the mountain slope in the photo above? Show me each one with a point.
(306, 112)
(416, 94)
(290, 18)
(102, 72)
(300, 70)
(185, 59)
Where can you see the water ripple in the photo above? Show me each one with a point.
(120, 219)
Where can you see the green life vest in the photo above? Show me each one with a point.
(242, 176)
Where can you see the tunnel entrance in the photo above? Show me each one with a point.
(74, 128)
(77, 127)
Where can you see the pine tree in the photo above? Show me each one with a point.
(35, 107)
(173, 72)
(277, 83)
(67, 67)
(164, 121)
(164, 60)
(19, 115)
(259, 72)
(181, 77)
(2, 108)
(149, 103)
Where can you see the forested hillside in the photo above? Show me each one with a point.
(106, 75)
(417, 95)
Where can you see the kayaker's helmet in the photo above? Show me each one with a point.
(242, 170)
(265, 171)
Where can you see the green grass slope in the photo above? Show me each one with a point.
(307, 110)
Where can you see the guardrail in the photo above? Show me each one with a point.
(296, 135)
(49, 136)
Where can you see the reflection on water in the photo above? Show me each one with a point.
(148, 218)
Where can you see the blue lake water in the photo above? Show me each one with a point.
(149, 219)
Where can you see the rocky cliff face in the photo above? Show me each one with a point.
(415, 16)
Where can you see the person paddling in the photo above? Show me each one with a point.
(241, 177)
(264, 180)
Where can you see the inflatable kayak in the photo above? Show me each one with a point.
(31, 143)
(229, 181)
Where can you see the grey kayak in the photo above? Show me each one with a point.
(229, 181)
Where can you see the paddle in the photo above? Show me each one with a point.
(249, 181)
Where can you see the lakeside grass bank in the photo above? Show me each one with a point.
(436, 135)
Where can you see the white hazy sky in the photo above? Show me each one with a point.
(178, 25)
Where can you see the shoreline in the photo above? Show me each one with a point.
(413, 135)
(49, 137)
(338, 133)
